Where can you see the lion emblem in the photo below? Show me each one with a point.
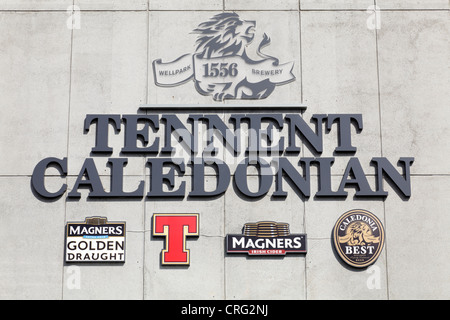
(358, 233)
(226, 35)
(220, 66)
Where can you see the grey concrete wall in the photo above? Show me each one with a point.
(397, 76)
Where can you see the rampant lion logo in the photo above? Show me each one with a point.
(358, 233)
(220, 66)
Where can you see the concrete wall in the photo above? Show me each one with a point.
(397, 76)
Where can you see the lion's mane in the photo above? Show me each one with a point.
(358, 234)
(223, 35)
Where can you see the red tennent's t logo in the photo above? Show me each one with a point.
(175, 227)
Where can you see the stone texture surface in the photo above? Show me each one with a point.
(32, 262)
(339, 75)
(180, 5)
(413, 4)
(35, 4)
(414, 77)
(111, 4)
(109, 61)
(335, 4)
(35, 86)
(417, 267)
(258, 5)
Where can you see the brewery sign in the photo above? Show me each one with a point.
(266, 238)
(268, 137)
(95, 240)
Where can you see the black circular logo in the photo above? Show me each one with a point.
(358, 238)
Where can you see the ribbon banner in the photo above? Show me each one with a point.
(173, 73)
(230, 77)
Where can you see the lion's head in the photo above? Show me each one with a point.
(225, 34)
(358, 233)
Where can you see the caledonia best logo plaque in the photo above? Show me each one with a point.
(358, 237)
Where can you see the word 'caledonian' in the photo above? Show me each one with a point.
(274, 152)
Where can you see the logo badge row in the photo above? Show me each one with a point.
(358, 238)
